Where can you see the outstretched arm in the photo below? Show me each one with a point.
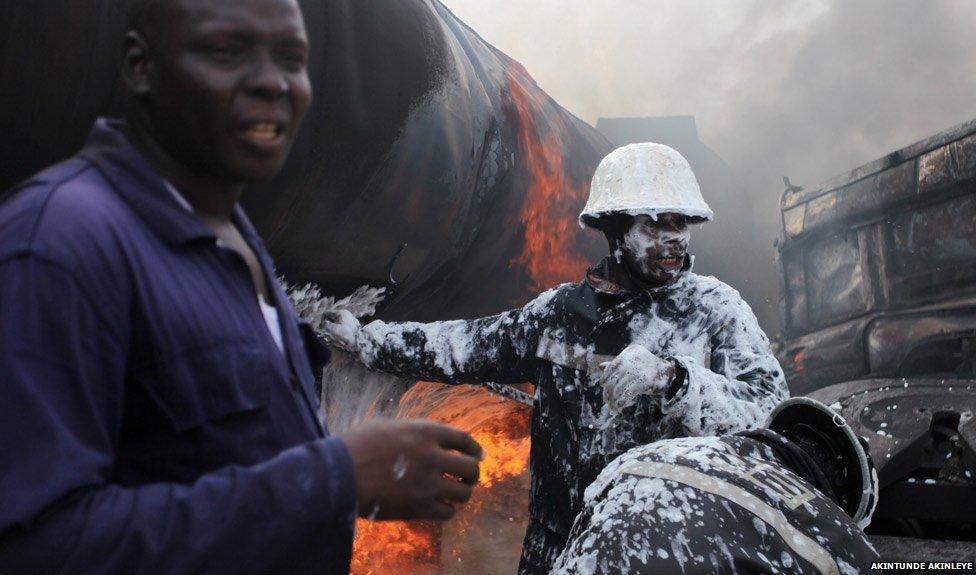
(487, 349)
(498, 348)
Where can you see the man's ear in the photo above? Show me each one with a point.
(135, 64)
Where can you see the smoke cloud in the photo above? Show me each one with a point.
(797, 88)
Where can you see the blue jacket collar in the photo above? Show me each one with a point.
(142, 187)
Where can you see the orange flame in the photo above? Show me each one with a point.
(549, 214)
(501, 427)
(383, 547)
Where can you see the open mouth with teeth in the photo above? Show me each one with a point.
(263, 133)
(671, 262)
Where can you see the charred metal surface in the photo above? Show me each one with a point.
(878, 282)
(914, 550)
(930, 341)
(858, 200)
(824, 357)
(882, 262)
(899, 416)
(915, 150)
(934, 340)
(922, 437)
(940, 501)
(948, 165)
(417, 136)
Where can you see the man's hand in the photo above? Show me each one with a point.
(412, 469)
(340, 328)
(636, 371)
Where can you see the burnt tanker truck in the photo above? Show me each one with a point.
(429, 160)
(879, 319)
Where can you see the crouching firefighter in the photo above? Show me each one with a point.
(791, 498)
(640, 350)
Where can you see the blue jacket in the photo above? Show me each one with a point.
(148, 421)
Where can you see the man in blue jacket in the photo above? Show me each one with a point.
(156, 391)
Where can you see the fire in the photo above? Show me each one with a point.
(549, 256)
(504, 457)
(498, 424)
(394, 547)
(501, 427)
(552, 200)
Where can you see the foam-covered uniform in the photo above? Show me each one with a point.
(731, 381)
(750, 503)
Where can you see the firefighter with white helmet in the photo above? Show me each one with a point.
(640, 349)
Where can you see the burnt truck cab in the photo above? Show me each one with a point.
(878, 312)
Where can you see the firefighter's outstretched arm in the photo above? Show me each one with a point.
(498, 348)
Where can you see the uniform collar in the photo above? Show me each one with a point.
(142, 187)
(238, 217)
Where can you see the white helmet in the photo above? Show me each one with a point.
(647, 179)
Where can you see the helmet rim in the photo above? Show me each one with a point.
(804, 410)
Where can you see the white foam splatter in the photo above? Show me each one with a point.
(400, 467)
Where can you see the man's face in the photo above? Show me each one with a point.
(229, 85)
(655, 249)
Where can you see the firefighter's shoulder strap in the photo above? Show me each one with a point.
(799, 542)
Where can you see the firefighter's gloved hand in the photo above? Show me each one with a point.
(339, 328)
(635, 372)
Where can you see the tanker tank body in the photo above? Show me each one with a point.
(421, 134)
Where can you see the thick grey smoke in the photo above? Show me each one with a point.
(798, 88)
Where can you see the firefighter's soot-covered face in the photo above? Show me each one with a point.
(655, 249)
